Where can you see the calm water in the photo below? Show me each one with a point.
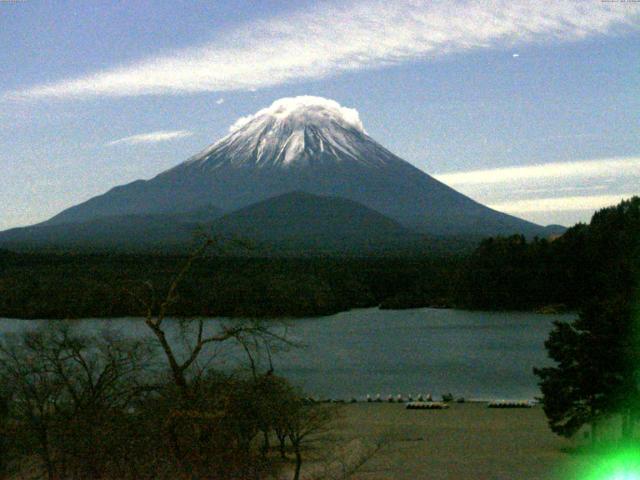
(470, 354)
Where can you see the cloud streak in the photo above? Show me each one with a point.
(558, 171)
(151, 137)
(577, 186)
(561, 204)
(328, 39)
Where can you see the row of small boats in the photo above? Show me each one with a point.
(426, 402)
(493, 404)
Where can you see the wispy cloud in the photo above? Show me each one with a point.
(558, 171)
(329, 39)
(152, 137)
(561, 204)
(553, 187)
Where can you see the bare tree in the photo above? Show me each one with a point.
(60, 386)
(253, 336)
(304, 424)
(275, 398)
(156, 309)
(33, 393)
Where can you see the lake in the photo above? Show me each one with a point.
(488, 355)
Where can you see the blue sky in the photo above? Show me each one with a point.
(531, 107)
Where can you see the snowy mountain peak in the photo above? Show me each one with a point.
(305, 110)
(294, 131)
(302, 144)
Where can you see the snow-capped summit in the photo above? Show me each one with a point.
(302, 144)
(303, 110)
(293, 131)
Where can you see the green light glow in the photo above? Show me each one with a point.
(620, 465)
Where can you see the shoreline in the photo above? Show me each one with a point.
(532, 311)
(405, 400)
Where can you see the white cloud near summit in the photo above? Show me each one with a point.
(329, 39)
(305, 107)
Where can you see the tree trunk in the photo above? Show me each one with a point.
(266, 445)
(296, 474)
(49, 465)
(46, 455)
(174, 441)
(50, 471)
(177, 372)
(282, 440)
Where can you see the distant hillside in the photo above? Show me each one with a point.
(302, 221)
(123, 233)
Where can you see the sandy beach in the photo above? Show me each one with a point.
(466, 441)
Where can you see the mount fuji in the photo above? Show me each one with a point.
(308, 145)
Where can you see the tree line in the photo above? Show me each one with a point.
(40, 285)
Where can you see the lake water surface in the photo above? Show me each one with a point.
(472, 354)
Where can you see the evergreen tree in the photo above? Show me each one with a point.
(596, 372)
(597, 356)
